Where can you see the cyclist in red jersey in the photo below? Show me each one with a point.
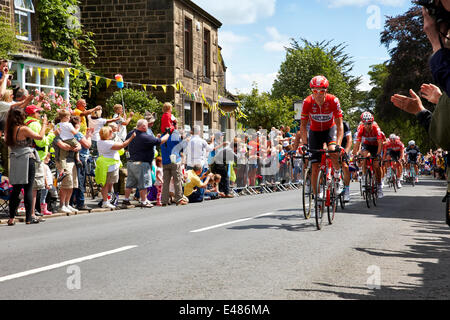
(370, 140)
(394, 150)
(323, 112)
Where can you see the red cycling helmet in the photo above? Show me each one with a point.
(366, 117)
(319, 82)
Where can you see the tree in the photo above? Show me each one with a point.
(306, 60)
(262, 110)
(9, 44)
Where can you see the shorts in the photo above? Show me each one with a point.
(71, 180)
(39, 178)
(395, 155)
(139, 175)
(112, 177)
(371, 149)
(318, 138)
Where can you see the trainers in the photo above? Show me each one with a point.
(146, 204)
(399, 185)
(72, 209)
(65, 209)
(347, 195)
(320, 197)
(417, 179)
(126, 202)
(380, 194)
(108, 205)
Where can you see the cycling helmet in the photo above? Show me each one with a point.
(411, 143)
(366, 117)
(319, 82)
(392, 137)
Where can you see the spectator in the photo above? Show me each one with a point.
(33, 121)
(224, 157)
(141, 151)
(171, 161)
(48, 185)
(19, 138)
(108, 163)
(67, 132)
(159, 180)
(81, 112)
(196, 150)
(212, 190)
(194, 188)
(77, 199)
(122, 122)
(167, 119)
(97, 122)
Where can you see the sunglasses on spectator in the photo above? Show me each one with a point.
(319, 90)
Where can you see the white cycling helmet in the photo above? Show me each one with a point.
(411, 143)
(392, 136)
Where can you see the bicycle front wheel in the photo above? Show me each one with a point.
(367, 188)
(307, 193)
(374, 189)
(331, 208)
(319, 203)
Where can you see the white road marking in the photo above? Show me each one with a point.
(231, 222)
(64, 263)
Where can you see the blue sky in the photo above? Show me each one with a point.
(254, 33)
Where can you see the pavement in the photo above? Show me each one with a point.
(251, 247)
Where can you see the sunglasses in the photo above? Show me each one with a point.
(319, 90)
(368, 123)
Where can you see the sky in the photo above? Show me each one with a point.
(254, 34)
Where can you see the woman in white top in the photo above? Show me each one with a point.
(108, 148)
(97, 122)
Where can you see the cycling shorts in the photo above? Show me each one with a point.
(371, 149)
(395, 155)
(318, 138)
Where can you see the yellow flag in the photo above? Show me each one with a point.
(97, 79)
(155, 86)
(46, 73)
(88, 75)
(76, 72)
(39, 71)
(145, 87)
(63, 71)
(108, 82)
(55, 72)
(164, 88)
(175, 86)
(200, 88)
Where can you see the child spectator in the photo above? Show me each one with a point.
(48, 185)
(167, 119)
(159, 180)
(212, 190)
(97, 122)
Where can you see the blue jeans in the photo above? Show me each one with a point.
(197, 196)
(77, 198)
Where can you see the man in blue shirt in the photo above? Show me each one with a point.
(139, 165)
(171, 160)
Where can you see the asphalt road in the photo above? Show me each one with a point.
(252, 247)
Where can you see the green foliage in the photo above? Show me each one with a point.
(262, 110)
(9, 44)
(62, 39)
(137, 101)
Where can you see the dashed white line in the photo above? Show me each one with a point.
(231, 222)
(64, 263)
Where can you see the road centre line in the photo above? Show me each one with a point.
(64, 263)
(231, 222)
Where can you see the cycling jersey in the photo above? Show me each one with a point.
(394, 146)
(369, 137)
(412, 153)
(321, 118)
(347, 132)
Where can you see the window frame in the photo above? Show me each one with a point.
(206, 54)
(24, 12)
(188, 44)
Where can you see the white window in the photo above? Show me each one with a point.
(22, 14)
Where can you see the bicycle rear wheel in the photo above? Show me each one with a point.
(307, 193)
(319, 204)
(394, 181)
(374, 189)
(367, 188)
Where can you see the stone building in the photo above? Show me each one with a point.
(162, 42)
(26, 64)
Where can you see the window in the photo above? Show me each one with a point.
(206, 122)
(187, 116)
(206, 54)
(188, 45)
(22, 15)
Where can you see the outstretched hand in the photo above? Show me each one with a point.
(431, 92)
(411, 105)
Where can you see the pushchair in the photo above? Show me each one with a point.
(5, 195)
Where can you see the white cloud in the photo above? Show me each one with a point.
(365, 84)
(229, 42)
(360, 3)
(238, 11)
(277, 41)
(243, 82)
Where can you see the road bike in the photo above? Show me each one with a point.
(370, 188)
(391, 174)
(326, 187)
(306, 188)
(411, 178)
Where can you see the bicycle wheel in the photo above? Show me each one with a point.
(374, 189)
(341, 201)
(332, 197)
(367, 188)
(394, 182)
(363, 195)
(307, 193)
(319, 204)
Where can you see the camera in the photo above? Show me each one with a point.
(436, 11)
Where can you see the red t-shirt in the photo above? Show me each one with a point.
(369, 137)
(166, 121)
(321, 118)
(397, 145)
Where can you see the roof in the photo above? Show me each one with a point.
(227, 102)
(36, 59)
(216, 23)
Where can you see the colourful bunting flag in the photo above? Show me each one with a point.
(108, 82)
(97, 79)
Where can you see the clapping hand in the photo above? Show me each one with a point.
(431, 92)
(411, 105)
